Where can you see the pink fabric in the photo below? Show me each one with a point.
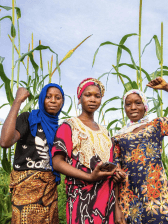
(91, 203)
(84, 87)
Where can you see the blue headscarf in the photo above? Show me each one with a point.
(48, 122)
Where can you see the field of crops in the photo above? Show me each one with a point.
(36, 77)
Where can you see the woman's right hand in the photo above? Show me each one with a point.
(22, 94)
(158, 83)
(98, 174)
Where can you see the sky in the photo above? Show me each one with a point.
(62, 25)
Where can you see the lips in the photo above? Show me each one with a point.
(134, 114)
(52, 108)
(92, 106)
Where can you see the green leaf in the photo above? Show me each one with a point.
(110, 109)
(58, 67)
(132, 66)
(18, 11)
(165, 112)
(5, 163)
(7, 85)
(65, 113)
(1, 59)
(70, 107)
(158, 48)
(119, 51)
(106, 102)
(111, 123)
(94, 57)
(27, 106)
(13, 30)
(4, 105)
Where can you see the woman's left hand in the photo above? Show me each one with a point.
(158, 83)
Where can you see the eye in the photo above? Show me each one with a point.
(139, 103)
(48, 97)
(127, 104)
(58, 98)
(98, 96)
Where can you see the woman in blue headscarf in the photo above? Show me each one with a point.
(33, 181)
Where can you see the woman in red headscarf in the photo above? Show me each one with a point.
(80, 148)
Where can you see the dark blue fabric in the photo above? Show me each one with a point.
(48, 121)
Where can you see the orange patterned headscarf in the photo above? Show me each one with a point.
(87, 82)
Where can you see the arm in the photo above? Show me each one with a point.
(158, 83)
(119, 217)
(60, 165)
(9, 135)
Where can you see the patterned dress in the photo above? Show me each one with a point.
(143, 197)
(87, 203)
(32, 183)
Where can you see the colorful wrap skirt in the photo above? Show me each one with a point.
(91, 204)
(34, 197)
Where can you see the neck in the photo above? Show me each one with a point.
(86, 116)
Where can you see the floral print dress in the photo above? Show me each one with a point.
(143, 196)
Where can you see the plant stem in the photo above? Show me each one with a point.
(161, 96)
(140, 18)
(50, 69)
(161, 64)
(18, 71)
(123, 85)
(13, 22)
(28, 61)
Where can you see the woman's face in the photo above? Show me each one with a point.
(134, 107)
(90, 99)
(53, 100)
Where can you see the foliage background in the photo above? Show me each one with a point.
(62, 26)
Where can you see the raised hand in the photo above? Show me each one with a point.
(22, 94)
(158, 83)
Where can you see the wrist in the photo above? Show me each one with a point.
(166, 87)
(17, 101)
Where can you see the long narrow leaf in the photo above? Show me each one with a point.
(7, 85)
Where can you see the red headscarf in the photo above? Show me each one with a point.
(87, 82)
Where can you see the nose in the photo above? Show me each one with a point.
(133, 106)
(53, 99)
(92, 99)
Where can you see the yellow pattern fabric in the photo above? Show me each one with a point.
(88, 143)
(34, 197)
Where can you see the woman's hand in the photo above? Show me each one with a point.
(158, 83)
(22, 94)
(98, 174)
(119, 175)
(9, 135)
(119, 217)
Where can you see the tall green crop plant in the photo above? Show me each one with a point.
(139, 80)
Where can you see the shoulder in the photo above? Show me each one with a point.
(158, 120)
(72, 122)
(24, 115)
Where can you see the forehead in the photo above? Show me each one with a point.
(53, 90)
(133, 96)
(92, 88)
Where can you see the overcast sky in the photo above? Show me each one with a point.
(64, 24)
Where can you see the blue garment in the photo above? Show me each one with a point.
(48, 122)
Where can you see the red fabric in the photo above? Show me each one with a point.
(83, 88)
(89, 203)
